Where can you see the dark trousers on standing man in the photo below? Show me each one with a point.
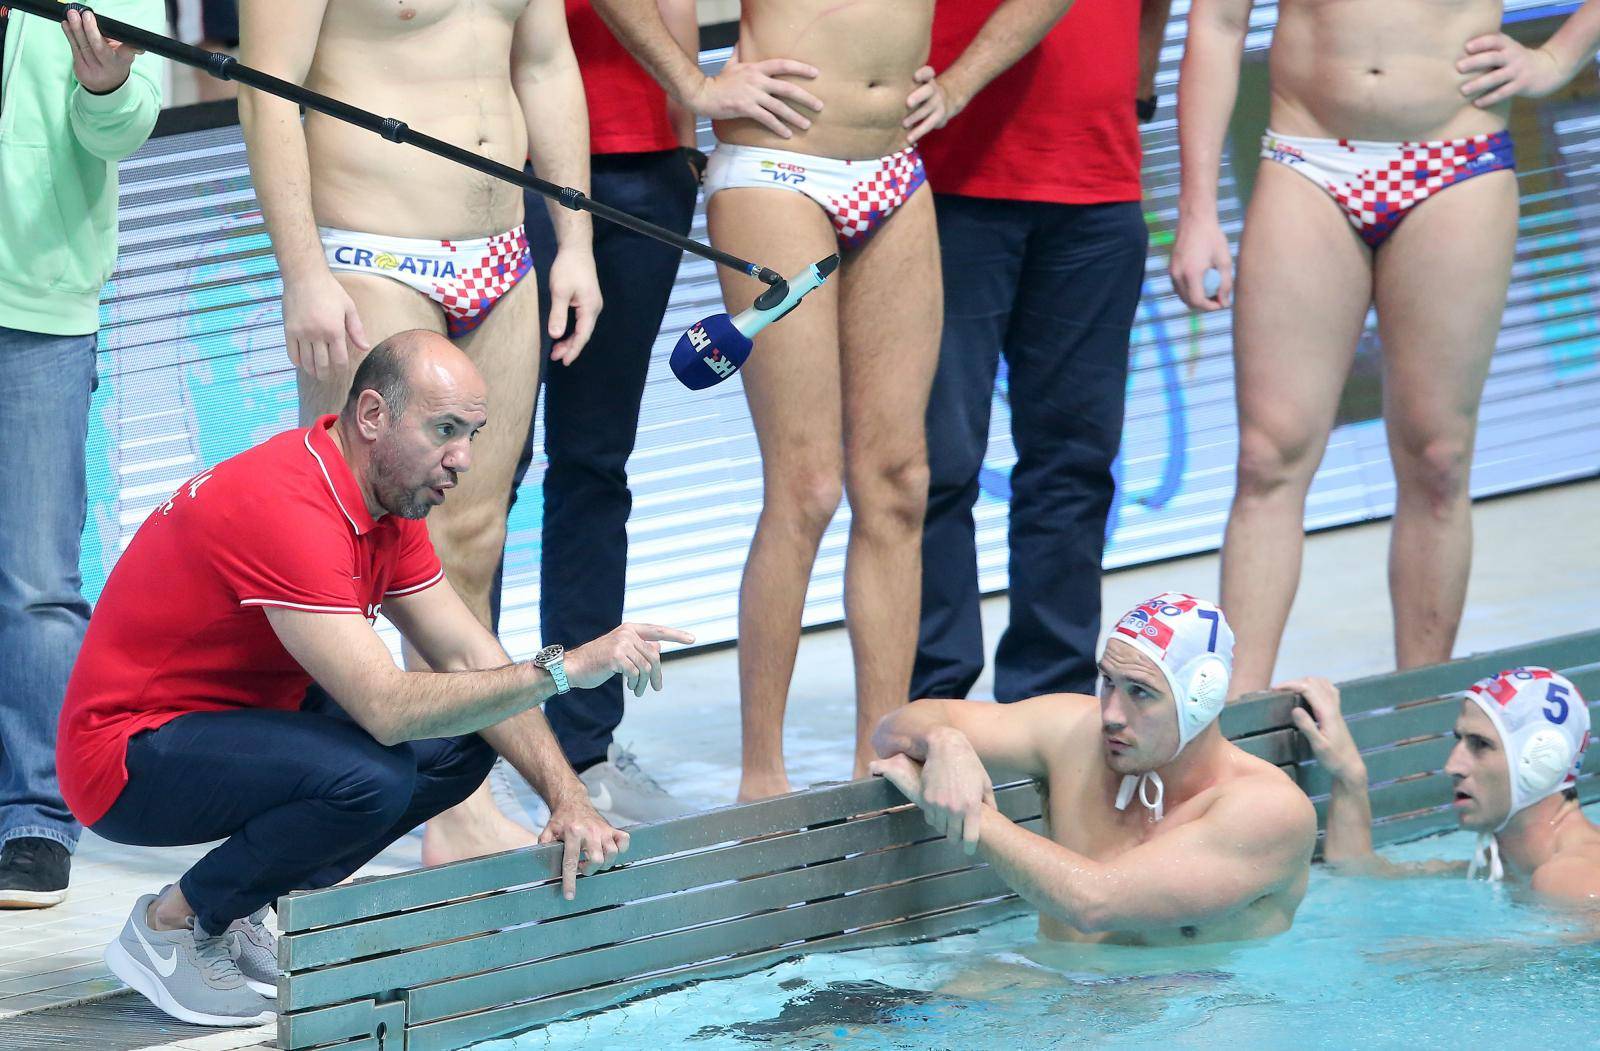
(591, 419)
(1053, 289)
(300, 799)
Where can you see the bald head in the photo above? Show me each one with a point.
(409, 363)
(414, 406)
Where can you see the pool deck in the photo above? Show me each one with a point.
(1535, 573)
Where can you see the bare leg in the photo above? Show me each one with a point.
(792, 383)
(891, 310)
(502, 350)
(1441, 287)
(1304, 286)
(469, 532)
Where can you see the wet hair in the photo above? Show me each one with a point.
(385, 370)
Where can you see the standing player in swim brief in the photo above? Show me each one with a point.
(1218, 847)
(374, 238)
(1388, 182)
(1520, 742)
(838, 392)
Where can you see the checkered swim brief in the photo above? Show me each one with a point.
(466, 278)
(859, 196)
(1377, 183)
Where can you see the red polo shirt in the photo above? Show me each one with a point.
(1059, 126)
(627, 108)
(180, 628)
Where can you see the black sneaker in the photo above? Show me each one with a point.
(33, 873)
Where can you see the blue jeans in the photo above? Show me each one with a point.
(591, 419)
(44, 409)
(1053, 288)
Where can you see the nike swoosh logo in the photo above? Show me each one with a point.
(601, 799)
(165, 965)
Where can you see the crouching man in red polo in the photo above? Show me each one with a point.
(192, 716)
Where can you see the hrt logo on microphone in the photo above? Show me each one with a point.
(701, 342)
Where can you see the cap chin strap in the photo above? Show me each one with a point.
(1487, 856)
(1143, 783)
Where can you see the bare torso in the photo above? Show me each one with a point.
(866, 52)
(1378, 69)
(443, 67)
(1083, 817)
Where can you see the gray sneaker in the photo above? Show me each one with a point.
(192, 977)
(255, 950)
(625, 794)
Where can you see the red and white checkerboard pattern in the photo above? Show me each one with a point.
(858, 211)
(1376, 199)
(468, 299)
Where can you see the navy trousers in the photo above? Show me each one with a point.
(1051, 289)
(591, 418)
(300, 799)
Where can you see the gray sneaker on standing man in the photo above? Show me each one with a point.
(625, 794)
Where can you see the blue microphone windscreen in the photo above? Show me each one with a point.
(709, 352)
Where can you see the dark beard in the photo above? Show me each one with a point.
(406, 503)
(397, 500)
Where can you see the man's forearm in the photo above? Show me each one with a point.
(1153, 17)
(638, 24)
(557, 115)
(415, 705)
(524, 739)
(1010, 32)
(530, 746)
(1208, 85)
(281, 171)
(1575, 42)
(683, 22)
(1349, 821)
(1050, 877)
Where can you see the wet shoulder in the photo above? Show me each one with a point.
(1068, 728)
(1269, 797)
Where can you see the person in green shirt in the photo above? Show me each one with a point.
(72, 105)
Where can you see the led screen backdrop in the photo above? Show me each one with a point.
(193, 370)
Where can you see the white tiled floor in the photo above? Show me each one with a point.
(1535, 575)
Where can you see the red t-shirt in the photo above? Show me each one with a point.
(180, 628)
(1059, 125)
(627, 108)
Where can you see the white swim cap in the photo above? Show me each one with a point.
(1189, 639)
(1544, 730)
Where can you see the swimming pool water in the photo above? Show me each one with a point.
(1369, 963)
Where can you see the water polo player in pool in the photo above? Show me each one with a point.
(1218, 847)
(1520, 740)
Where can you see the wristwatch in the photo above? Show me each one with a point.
(553, 659)
(1145, 109)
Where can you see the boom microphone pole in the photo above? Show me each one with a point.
(226, 67)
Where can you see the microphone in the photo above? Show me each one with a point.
(716, 347)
